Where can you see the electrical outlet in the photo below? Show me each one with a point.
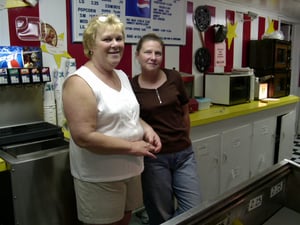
(255, 202)
(276, 189)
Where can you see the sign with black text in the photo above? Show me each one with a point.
(166, 18)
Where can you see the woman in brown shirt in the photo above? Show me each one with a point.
(164, 105)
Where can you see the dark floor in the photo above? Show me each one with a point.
(139, 218)
(296, 150)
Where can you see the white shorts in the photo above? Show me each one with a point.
(106, 202)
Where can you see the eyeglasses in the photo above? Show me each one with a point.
(103, 18)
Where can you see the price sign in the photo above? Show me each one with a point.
(166, 18)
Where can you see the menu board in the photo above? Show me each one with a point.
(166, 18)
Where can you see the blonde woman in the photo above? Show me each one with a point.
(108, 139)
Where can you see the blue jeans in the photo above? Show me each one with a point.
(171, 176)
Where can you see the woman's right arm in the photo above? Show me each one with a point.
(80, 108)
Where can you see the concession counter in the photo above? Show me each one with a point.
(36, 186)
(270, 198)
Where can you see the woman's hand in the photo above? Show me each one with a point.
(151, 137)
(143, 148)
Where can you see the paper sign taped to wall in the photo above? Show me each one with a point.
(220, 54)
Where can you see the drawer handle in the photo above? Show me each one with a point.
(236, 143)
(265, 130)
(235, 172)
(225, 157)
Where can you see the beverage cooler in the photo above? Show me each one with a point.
(37, 187)
(270, 198)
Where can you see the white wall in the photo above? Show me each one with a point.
(295, 89)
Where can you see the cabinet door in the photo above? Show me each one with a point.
(287, 135)
(263, 145)
(235, 149)
(207, 151)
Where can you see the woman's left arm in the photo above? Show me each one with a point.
(186, 117)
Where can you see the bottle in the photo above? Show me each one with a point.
(256, 88)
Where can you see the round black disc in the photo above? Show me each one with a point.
(202, 59)
(202, 18)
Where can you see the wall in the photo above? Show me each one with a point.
(295, 82)
(57, 13)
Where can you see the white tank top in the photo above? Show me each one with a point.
(118, 116)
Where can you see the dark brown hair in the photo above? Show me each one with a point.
(148, 37)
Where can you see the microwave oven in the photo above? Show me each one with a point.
(229, 89)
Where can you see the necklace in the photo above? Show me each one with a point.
(153, 83)
(158, 96)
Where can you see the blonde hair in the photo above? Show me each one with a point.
(99, 23)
